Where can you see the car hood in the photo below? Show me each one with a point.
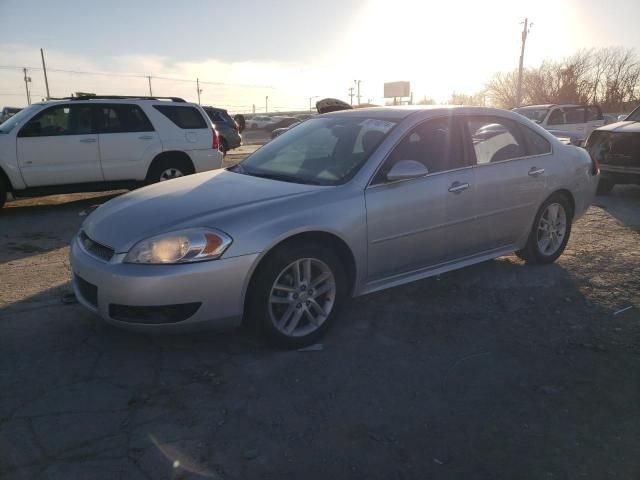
(622, 127)
(191, 201)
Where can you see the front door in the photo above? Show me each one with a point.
(423, 222)
(58, 146)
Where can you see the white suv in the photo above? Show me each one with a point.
(577, 121)
(103, 143)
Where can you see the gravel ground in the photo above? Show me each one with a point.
(500, 370)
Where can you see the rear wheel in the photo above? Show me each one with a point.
(168, 169)
(224, 146)
(604, 186)
(3, 192)
(296, 294)
(550, 232)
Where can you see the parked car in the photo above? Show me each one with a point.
(279, 131)
(577, 120)
(345, 204)
(261, 121)
(103, 143)
(282, 122)
(616, 148)
(8, 112)
(228, 129)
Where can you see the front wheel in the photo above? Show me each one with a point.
(296, 294)
(550, 232)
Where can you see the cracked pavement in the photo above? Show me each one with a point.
(496, 371)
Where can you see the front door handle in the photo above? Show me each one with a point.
(536, 172)
(457, 187)
(146, 137)
(88, 140)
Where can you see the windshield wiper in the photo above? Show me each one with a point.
(283, 177)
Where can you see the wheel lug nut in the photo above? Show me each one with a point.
(295, 295)
(303, 288)
(299, 305)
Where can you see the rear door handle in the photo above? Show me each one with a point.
(457, 187)
(536, 172)
(146, 137)
(88, 140)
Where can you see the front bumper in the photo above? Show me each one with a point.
(218, 286)
(205, 160)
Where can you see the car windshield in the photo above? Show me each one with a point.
(634, 116)
(18, 119)
(536, 114)
(320, 151)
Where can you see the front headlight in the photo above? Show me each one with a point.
(193, 245)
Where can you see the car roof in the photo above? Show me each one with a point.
(402, 112)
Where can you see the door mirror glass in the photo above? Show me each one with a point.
(406, 169)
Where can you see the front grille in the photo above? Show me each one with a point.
(96, 249)
(153, 315)
(88, 291)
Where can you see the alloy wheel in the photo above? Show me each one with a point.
(302, 297)
(170, 173)
(552, 229)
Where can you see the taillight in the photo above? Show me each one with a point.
(216, 139)
(594, 151)
(236, 127)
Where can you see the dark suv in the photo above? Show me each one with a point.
(227, 128)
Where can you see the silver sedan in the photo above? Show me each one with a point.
(342, 205)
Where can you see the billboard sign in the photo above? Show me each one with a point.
(397, 89)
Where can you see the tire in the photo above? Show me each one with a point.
(168, 168)
(534, 251)
(224, 146)
(286, 323)
(604, 186)
(3, 192)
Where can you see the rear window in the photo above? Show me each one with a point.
(187, 118)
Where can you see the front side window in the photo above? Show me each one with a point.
(556, 117)
(495, 139)
(122, 119)
(60, 120)
(18, 119)
(187, 118)
(534, 114)
(437, 144)
(322, 151)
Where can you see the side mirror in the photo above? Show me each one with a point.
(405, 170)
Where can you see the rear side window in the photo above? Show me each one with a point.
(574, 115)
(495, 139)
(594, 113)
(536, 144)
(215, 115)
(184, 117)
(121, 119)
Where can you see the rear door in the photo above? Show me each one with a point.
(423, 222)
(59, 146)
(510, 174)
(193, 132)
(127, 139)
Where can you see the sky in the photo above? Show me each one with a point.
(291, 51)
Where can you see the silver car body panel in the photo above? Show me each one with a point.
(397, 232)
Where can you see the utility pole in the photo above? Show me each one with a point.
(254, 108)
(44, 69)
(26, 85)
(351, 94)
(310, 99)
(525, 32)
(266, 104)
(357, 82)
(150, 91)
(198, 87)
